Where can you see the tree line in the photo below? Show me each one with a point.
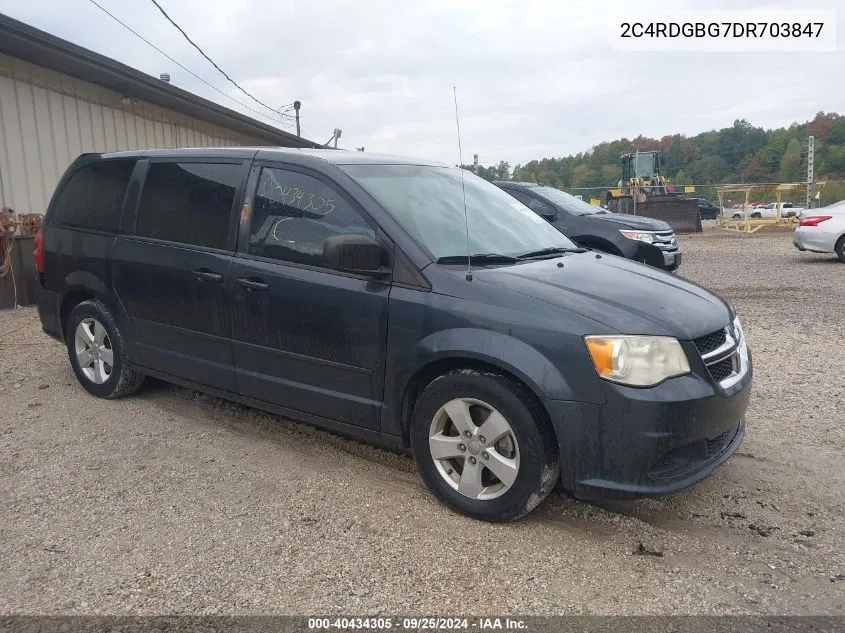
(741, 153)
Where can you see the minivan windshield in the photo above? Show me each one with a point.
(428, 202)
(573, 205)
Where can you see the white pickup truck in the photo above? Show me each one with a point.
(787, 210)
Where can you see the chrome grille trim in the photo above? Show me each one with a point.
(740, 366)
(665, 240)
(734, 348)
(723, 350)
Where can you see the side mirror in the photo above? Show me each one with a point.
(355, 253)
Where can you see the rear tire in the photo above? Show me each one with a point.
(97, 352)
(839, 249)
(497, 478)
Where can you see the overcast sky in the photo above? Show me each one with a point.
(534, 79)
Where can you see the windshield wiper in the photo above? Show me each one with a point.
(551, 251)
(478, 258)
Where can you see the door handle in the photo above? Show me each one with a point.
(204, 274)
(252, 284)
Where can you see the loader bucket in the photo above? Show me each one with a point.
(680, 213)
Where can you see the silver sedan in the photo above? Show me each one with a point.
(822, 230)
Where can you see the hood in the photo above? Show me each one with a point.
(628, 297)
(637, 222)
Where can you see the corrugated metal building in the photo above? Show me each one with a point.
(59, 100)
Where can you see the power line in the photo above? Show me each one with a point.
(211, 61)
(305, 135)
(187, 70)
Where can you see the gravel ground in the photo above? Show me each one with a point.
(175, 502)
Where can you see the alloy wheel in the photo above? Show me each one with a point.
(94, 351)
(474, 448)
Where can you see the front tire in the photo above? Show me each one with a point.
(483, 445)
(97, 352)
(839, 249)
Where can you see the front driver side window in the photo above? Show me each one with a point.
(295, 213)
(537, 206)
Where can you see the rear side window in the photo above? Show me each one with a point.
(189, 203)
(93, 197)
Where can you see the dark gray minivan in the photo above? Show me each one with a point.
(334, 288)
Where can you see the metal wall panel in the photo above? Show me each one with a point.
(47, 119)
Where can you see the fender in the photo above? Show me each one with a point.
(82, 281)
(496, 349)
(596, 242)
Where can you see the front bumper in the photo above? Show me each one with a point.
(665, 259)
(671, 261)
(647, 442)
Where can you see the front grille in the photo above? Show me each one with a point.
(666, 240)
(722, 369)
(707, 343)
(722, 353)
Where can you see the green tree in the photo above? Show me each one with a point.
(609, 174)
(740, 152)
(836, 134)
(709, 169)
(503, 170)
(581, 176)
(790, 164)
(835, 160)
(752, 170)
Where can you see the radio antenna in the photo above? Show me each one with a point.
(463, 187)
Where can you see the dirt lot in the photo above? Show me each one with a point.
(174, 502)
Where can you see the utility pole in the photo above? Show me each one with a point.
(811, 178)
(296, 106)
(335, 135)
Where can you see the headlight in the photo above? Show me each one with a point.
(638, 361)
(648, 238)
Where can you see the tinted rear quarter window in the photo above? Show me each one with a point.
(189, 203)
(93, 197)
